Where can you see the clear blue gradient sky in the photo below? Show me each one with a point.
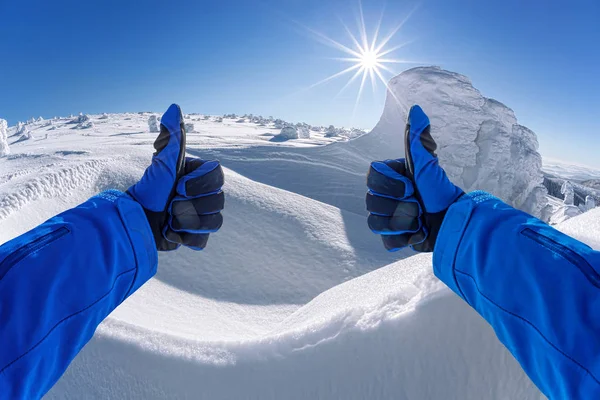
(540, 57)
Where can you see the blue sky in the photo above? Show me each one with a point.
(541, 58)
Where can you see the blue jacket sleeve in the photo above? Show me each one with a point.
(60, 280)
(538, 288)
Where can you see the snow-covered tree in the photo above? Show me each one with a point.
(569, 193)
(189, 127)
(288, 132)
(4, 150)
(303, 132)
(21, 128)
(590, 202)
(153, 124)
(332, 131)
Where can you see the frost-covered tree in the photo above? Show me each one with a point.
(590, 203)
(569, 192)
(303, 132)
(153, 124)
(288, 132)
(332, 131)
(4, 150)
(21, 128)
(189, 127)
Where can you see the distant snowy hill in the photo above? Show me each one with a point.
(571, 171)
(294, 298)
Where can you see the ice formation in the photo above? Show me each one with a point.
(569, 193)
(4, 149)
(480, 143)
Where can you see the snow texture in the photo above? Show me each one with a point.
(480, 143)
(4, 149)
(294, 298)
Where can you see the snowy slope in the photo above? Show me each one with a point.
(294, 297)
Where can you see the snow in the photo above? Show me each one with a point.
(287, 133)
(568, 192)
(480, 143)
(294, 298)
(153, 124)
(4, 149)
(590, 203)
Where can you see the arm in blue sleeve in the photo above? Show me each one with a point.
(538, 288)
(60, 280)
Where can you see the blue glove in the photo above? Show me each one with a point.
(409, 197)
(182, 197)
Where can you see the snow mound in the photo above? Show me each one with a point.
(389, 334)
(480, 144)
(4, 149)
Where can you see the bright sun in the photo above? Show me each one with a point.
(369, 57)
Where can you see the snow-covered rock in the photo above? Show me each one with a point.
(480, 143)
(4, 149)
(103, 116)
(153, 124)
(189, 127)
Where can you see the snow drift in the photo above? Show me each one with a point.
(294, 298)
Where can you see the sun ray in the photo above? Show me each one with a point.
(370, 56)
(352, 68)
(395, 30)
(363, 28)
(330, 42)
(356, 75)
(360, 90)
(352, 37)
(395, 48)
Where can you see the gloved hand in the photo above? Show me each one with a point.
(409, 197)
(182, 197)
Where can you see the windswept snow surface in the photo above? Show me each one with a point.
(294, 298)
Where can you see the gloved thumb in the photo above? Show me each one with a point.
(433, 187)
(156, 187)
